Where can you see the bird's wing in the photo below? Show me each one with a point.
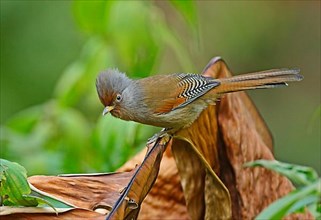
(186, 89)
(193, 86)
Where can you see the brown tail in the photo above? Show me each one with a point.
(259, 80)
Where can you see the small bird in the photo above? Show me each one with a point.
(175, 101)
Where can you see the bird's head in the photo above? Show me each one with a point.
(110, 86)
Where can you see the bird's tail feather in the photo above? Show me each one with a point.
(259, 80)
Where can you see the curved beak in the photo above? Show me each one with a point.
(107, 109)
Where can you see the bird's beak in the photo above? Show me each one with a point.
(107, 109)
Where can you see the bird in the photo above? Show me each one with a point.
(175, 101)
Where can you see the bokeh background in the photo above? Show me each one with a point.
(51, 52)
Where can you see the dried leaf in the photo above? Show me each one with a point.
(245, 137)
(166, 198)
(34, 213)
(128, 204)
(217, 68)
(86, 192)
(205, 194)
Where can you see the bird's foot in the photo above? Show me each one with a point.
(155, 137)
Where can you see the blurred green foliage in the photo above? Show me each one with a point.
(51, 53)
(63, 133)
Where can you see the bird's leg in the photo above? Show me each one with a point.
(160, 134)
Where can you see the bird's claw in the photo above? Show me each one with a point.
(156, 136)
(153, 138)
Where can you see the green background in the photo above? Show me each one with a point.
(51, 52)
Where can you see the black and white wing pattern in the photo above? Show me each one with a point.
(193, 86)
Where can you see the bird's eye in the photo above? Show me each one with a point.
(118, 97)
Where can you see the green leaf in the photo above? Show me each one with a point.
(293, 202)
(299, 175)
(44, 199)
(14, 185)
(16, 191)
(300, 205)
